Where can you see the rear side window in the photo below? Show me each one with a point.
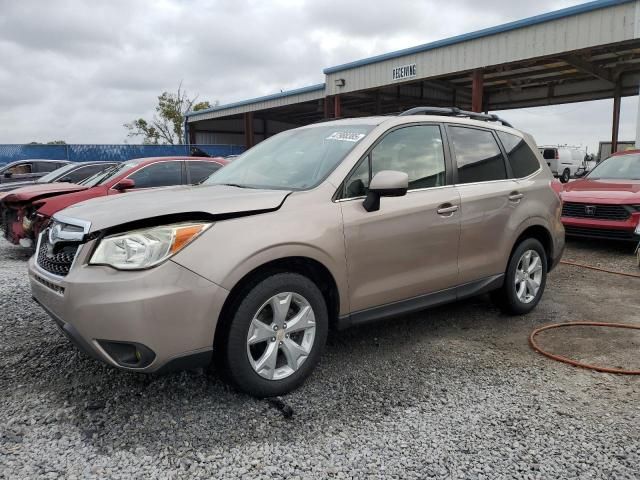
(522, 160)
(46, 167)
(162, 174)
(200, 171)
(478, 156)
(549, 153)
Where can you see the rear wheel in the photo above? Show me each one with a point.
(276, 336)
(566, 176)
(525, 279)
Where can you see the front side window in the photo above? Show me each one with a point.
(620, 167)
(20, 169)
(478, 156)
(161, 174)
(522, 160)
(416, 150)
(293, 160)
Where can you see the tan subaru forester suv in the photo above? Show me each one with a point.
(329, 225)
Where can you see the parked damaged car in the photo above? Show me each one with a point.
(25, 170)
(336, 223)
(26, 211)
(75, 172)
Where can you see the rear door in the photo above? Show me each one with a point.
(488, 199)
(409, 247)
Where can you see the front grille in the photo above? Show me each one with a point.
(608, 233)
(57, 258)
(595, 210)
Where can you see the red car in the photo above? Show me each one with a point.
(26, 211)
(606, 202)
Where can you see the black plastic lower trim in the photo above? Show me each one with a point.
(422, 302)
(190, 361)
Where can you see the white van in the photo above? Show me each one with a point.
(564, 161)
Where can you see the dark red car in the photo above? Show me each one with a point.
(26, 211)
(606, 202)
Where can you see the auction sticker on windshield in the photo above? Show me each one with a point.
(346, 136)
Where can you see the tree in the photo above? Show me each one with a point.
(53, 142)
(167, 125)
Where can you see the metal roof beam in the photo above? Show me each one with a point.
(589, 68)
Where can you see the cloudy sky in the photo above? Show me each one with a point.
(77, 70)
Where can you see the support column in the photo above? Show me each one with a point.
(327, 107)
(477, 90)
(378, 103)
(248, 130)
(638, 123)
(615, 127)
(337, 110)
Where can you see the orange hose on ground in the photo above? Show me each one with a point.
(560, 358)
(575, 363)
(591, 267)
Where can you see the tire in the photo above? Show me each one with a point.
(507, 297)
(566, 176)
(241, 360)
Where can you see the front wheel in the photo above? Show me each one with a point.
(566, 176)
(525, 278)
(276, 335)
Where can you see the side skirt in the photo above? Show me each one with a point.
(422, 302)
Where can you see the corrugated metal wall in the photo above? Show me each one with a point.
(83, 153)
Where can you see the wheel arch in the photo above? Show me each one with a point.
(540, 233)
(303, 265)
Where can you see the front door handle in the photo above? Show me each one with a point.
(515, 196)
(446, 209)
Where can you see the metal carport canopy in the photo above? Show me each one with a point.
(585, 52)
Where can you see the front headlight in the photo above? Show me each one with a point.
(147, 247)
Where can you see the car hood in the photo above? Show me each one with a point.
(208, 200)
(607, 191)
(44, 190)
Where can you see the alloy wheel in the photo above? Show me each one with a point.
(528, 276)
(281, 335)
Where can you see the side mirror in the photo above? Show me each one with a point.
(124, 184)
(387, 183)
(580, 173)
(8, 174)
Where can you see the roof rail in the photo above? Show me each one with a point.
(455, 112)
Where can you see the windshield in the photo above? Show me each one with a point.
(109, 174)
(292, 160)
(51, 176)
(622, 167)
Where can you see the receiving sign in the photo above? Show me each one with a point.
(406, 71)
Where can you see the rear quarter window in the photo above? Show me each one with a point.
(521, 158)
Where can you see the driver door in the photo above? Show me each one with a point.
(409, 247)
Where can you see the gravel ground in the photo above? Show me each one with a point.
(453, 392)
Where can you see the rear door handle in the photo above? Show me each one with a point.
(515, 196)
(446, 209)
